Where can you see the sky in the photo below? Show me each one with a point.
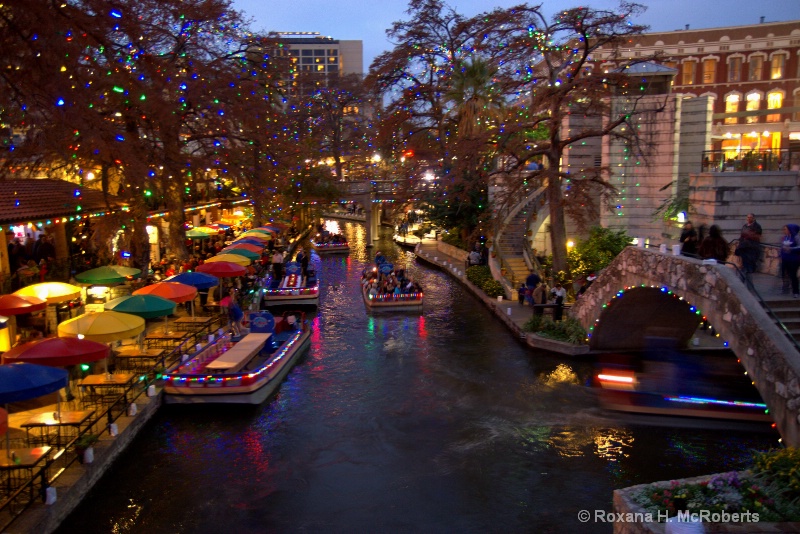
(367, 20)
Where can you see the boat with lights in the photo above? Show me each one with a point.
(700, 384)
(376, 298)
(243, 371)
(335, 244)
(294, 289)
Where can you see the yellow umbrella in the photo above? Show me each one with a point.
(103, 327)
(52, 292)
(232, 258)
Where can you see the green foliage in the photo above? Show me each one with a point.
(85, 441)
(453, 237)
(478, 274)
(465, 203)
(493, 288)
(569, 330)
(781, 467)
(597, 251)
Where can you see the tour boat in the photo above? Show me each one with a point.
(330, 247)
(679, 384)
(293, 289)
(246, 371)
(389, 301)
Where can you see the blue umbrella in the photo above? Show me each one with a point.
(23, 381)
(198, 280)
(251, 241)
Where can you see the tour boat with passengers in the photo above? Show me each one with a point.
(240, 370)
(384, 289)
(332, 245)
(699, 384)
(293, 289)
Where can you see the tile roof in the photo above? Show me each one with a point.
(25, 200)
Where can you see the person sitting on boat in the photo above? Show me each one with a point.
(235, 313)
(379, 258)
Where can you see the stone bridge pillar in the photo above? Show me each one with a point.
(371, 214)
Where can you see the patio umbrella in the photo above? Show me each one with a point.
(270, 227)
(23, 381)
(222, 269)
(52, 292)
(197, 279)
(210, 230)
(245, 246)
(250, 255)
(196, 234)
(259, 234)
(174, 291)
(104, 327)
(229, 258)
(250, 241)
(108, 274)
(57, 352)
(19, 304)
(144, 306)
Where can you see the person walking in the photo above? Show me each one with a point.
(277, 266)
(790, 256)
(749, 248)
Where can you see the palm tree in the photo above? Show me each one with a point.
(476, 104)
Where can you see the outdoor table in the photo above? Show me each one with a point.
(46, 420)
(164, 339)
(18, 465)
(192, 323)
(139, 360)
(103, 388)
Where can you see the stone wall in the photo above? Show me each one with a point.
(769, 357)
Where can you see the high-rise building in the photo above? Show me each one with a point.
(311, 52)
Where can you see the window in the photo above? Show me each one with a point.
(756, 66)
(319, 52)
(307, 52)
(732, 106)
(753, 103)
(688, 72)
(709, 70)
(777, 67)
(735, 69)
(774, 101)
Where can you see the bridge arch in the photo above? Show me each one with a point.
(770, 359)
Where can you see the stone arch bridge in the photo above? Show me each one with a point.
(645, 293)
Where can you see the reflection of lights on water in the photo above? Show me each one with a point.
(613, 444)
(562, 374)
(569, 443)
(422, 331)
(332, 226)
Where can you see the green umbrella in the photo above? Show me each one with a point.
(197, 234)
(108, 274)
(242, 252)
(144, 306)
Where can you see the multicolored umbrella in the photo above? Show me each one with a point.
(246, 246)
(229, 258)
(222, 269)
(57, 352)
(52, 292)
(104, 327)
(250, 255)
(108, 274)
(196, 279)
(19, 304)
(174, 291)
(197, 234)
(250, 241)
(144, 306)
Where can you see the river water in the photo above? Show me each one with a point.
(399, 423)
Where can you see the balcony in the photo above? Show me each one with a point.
(751, 161)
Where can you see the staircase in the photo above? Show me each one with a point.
(510, 245)
(787, 310)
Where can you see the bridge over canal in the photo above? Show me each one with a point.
(646, 293)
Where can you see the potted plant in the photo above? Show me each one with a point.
(84, 447)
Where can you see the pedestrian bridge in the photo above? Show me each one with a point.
(645, 294)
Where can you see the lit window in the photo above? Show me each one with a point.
(731, 106)
(777, 67)
(709, 71)
(756, 66)
(753, 103)
(688, 72)
(774, 101)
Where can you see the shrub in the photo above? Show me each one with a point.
(493, 288)
(453, 238)
(568, 330)
(478, 274)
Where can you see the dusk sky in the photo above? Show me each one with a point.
(368, 20)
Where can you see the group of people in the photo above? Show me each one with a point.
(30, 259)
(278, 258)
(391, 283)
(535, 292)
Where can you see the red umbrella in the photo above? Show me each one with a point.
(222, 269)
(17, 304)
(57, 352)
(174, 291)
